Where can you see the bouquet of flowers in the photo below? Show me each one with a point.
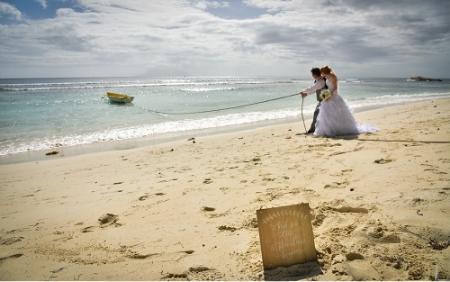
(325, 94)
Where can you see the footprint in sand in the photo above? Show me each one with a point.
(143, 198)
(9, 241)
(227, 228)
(196, 273)
(343, 184)
(108, 219)
(435, 245)
(268, 179)
(57, 270)
(88, 229)
(213, 215)
(139, 256)
(209, 209)
(353, 256)
(379, 234)
(342, 173)
(435, 171)
(347, 209)
(199, 268)
(174, 276)
(11, 257)
(136, 255)
(383, 161)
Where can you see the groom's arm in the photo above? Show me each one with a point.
(313, 88)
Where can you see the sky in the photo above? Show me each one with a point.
(102, 38)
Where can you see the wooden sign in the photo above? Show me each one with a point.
(286, 236)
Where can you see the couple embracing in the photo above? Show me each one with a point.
(333, 116)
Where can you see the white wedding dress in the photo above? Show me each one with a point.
(336, 118)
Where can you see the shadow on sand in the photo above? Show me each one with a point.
(357, 137)
(295, 272)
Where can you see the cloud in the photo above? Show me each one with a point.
(270, 37)
(204, 4)
(43, 3)
(361, 31)
(277, 5)
(8, 9)
(68, 42)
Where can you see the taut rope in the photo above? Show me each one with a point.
(221, 109)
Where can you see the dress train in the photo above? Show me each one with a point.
(336, 118)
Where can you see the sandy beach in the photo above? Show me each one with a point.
(187, 210)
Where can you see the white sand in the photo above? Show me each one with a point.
(377, 201)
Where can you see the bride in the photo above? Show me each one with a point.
(335, 116)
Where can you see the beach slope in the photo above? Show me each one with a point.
(187, 210)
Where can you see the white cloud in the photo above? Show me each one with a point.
(204, 4)
(8, 9)
(283, 5)
(43, 3)
(134, 37)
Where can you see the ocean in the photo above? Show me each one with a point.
(73, 115)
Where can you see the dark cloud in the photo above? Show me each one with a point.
(412, 29)
(360, 52)
(416, 21)
(289, 43)
(349, 44)
(356, 31)
(388, 5)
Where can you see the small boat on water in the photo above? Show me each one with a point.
(119, 98)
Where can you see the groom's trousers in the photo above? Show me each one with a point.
(313, 124)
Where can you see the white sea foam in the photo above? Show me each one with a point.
(387, 100)
(179, 126)
(133, 83)
(44, 114)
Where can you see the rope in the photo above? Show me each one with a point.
(306, 131)
(222, 109)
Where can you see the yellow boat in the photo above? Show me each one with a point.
(119, 98)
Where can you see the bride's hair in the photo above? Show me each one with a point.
(326, 70)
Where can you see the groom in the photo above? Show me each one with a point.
(319, 84)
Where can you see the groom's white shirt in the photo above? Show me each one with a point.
(319, 84)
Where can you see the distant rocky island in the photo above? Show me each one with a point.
(421, 78)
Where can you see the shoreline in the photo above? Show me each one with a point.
(148, 141)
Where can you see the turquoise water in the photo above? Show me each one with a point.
(43, 114)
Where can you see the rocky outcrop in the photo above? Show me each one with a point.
(421, 78)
